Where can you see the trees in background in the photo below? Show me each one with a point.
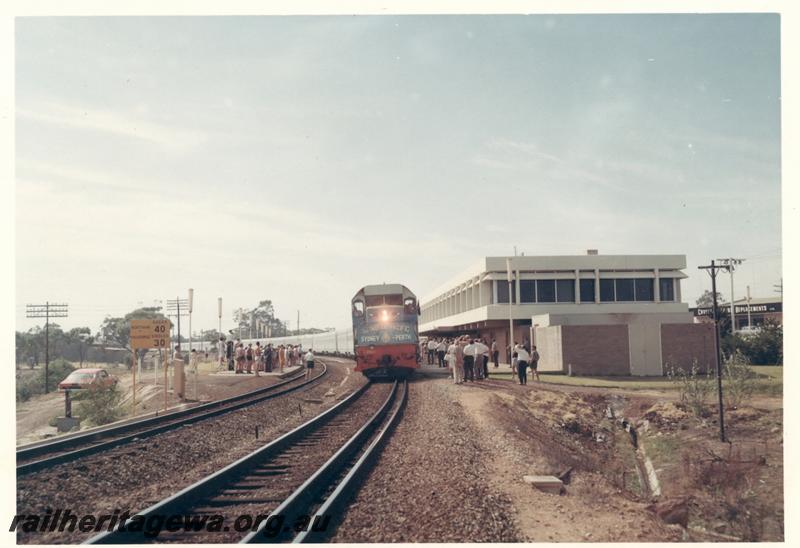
(260, 321)
(765, 347)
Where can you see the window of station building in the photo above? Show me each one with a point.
(587, 291)
(625, 290)
(666, 289)
(565, 291)
(644, 289)
(606, 290)
(527, 291)
(546, 291)
(502, 291)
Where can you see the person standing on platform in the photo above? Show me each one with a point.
(459, 361)
(522, 364)
(441, 350)
(248, 357)
(514, 359)
(229, 354)
(239, 355)
(431, 350)
(309, 358)
(281, 357)
(221, 354)
(535, 363)
(268, 358)
(258, 357)
(495, 353)
(469, 361)
(194, 357)
(481, 359)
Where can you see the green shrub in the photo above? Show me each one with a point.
(99, 405)
(58, 370)
(24, 392)
(762, 348)
(694, 387)
(739, 380)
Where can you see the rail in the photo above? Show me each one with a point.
(166, 422)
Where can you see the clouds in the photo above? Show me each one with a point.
(297, 158)
(114, 122)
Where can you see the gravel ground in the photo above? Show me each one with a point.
(430, 484)
(139, 474)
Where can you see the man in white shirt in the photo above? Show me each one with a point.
(523, 358)
(431, 351)
(441, 350)
(481, 359)
(451, 362)
(469, 361)
(309, 358)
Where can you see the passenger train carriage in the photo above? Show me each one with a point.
(385, 333)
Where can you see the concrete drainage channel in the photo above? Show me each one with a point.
(645, 470)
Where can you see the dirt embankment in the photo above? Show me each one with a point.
(692, 488)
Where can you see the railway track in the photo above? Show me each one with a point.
(44, 455)
(292, 489)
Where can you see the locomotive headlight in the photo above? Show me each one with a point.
(384, 316)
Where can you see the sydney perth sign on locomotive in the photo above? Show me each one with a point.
(392, 333)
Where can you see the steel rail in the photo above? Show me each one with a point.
(336, 503)
(175, 504)
(303, 499)
(184, 417)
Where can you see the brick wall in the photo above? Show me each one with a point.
(596, 349)
(681, 343)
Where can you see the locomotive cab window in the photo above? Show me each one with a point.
(393, 300)
(358, 308)
(409, 306)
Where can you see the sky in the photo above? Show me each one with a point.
(298, 159)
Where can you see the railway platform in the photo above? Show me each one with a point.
(287, 372)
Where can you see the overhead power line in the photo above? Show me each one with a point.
(47, 310)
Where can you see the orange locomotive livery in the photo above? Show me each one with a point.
(385, 331)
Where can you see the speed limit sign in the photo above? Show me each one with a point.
(150, 333)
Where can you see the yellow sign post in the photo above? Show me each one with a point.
(153, 333)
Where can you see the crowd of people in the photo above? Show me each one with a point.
(468, 357)
(250, 358)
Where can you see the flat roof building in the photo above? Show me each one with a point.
(596, 314)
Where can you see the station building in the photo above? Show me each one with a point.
(587, 314)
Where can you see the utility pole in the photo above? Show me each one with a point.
(191, 300)
(749, 319)
(219, 314)
(712, 270)
(174, 307)
(46, 311)
(510, 311)
(731, 264)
